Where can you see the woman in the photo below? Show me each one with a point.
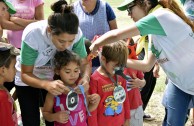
(92, 14)
(96, 17)
(40, 41)
(27, 11)
(172, 47)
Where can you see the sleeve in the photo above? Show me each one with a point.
(92, 120)
(38, 2)
(5, 111)
(126, 103)
(150, 25)
(28, 55)
(79, 47)
(110, 13)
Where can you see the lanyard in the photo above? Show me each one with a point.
(111, 78)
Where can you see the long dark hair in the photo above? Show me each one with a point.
(63, 20)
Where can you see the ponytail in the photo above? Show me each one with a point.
(63, 20)
(173, 5)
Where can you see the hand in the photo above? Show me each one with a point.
(94, 49)
(126, 123)
(136, 82)
(94, 98)
(55, 87)
(85, 82)
(62, 117)
(156, 71)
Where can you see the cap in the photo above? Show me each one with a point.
(11, 9)
(6, 46)
(123, 6)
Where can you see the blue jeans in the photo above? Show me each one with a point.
(176, 105)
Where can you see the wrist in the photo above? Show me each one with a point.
(87, 77)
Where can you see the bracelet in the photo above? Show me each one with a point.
(87, 77)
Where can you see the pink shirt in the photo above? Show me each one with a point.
(76, 117)
(25, 10)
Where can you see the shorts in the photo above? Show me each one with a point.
(136, 117)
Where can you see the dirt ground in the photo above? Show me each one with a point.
(156, 109)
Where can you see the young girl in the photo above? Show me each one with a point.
(113, 109)
(67, 71)
(8, 54)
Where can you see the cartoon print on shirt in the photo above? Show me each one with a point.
(112, 107)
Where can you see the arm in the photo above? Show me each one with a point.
(61, 117)
(156, 70)
(1, 31)
(111, 18)
(9, 25)
(86, 69)
(115, 35)
(94, 100)
(113, 24)
(142, 65)
(28, 58)
(39, 15)
(55, 87)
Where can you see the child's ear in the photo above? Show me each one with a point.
(2, 70)
(103, 59)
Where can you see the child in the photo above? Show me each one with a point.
(6, 8)
(8, 54)
(113, 109)
(67, 70)
(137, 81)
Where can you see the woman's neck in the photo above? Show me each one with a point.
(89, 6)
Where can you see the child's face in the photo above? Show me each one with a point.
(10, 72)
(110, 66)
(70, 73)
(3, 9)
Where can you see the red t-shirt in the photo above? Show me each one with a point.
(109, 112)
(8, 115)
(134, 94)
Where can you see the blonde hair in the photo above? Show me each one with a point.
(116, 51)
(174, 6)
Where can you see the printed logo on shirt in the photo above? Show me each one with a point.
(155, 51)
(47, 52)
(112, 107)
(109, 87)
(78, 115)
(164, 60)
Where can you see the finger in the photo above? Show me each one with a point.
(59, 81)
(53, 92)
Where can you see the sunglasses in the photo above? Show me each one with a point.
(130, 7)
